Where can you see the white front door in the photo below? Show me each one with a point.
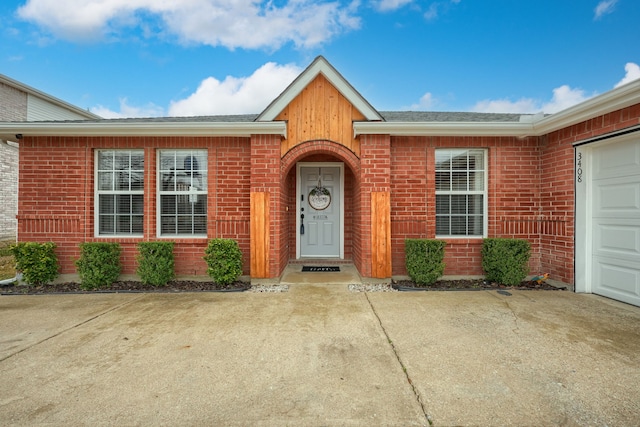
(319, 210)
(615, 219)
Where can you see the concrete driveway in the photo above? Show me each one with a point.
(320, 355)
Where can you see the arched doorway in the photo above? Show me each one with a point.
(329, 231)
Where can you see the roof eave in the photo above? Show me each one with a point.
(515, 129)
(239, 129)
(608, 102)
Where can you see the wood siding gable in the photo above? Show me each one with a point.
(320, 112)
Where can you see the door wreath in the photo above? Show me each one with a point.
(319, 196)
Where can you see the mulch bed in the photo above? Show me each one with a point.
(471, 285)
(126, 286)
(178, 286)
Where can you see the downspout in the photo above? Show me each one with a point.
(5, 282)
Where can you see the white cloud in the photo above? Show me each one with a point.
(233, 24)
(603, 8)
(126, 110)
(563, 98)
(390, 5)
(632, 73)
(522, 106)
(432, 12)
(233, 95)
(426, 102)
(237, 95)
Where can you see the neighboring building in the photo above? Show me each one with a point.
(21, 103)
(364, 181)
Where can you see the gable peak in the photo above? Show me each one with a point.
(319, 66)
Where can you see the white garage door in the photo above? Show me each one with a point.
(616, 220)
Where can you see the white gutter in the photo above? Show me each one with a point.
(616, 99)
(518, 129)
(136, 128)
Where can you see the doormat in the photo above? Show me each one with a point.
(318, 268)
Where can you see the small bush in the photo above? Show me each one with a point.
(424, 260)
(155, 262)
(37, 261)
(224, 261)
(99, 264)
(505, 261)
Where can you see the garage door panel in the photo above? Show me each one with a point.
(616, 279)
(614, 160)
(618, 197)
(617, 238)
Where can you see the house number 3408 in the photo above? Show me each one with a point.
(579, 168)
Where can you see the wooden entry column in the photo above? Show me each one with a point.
(375, 217)
(265, 207)
(260, 239)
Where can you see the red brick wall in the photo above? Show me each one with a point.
(530, 184)
(57, 196)
(513, 183)
(408, 195)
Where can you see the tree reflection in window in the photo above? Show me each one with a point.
(183, 192)
(120, 192)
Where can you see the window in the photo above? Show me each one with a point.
(461, 192)
(120, 192)
(183, 193)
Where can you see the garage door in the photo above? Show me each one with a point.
(616, 220)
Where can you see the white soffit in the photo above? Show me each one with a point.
(518, 129)
(151, 128)
(319, 66)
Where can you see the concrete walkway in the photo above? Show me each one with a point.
(320, 355)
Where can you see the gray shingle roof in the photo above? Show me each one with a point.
(433, 116)
(389, 116)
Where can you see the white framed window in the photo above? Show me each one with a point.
(182, 188)
(461, 192)
(119, 192)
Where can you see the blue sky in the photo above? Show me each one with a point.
(132, 58)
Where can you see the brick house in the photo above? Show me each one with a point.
(20, 103)
(321, 174)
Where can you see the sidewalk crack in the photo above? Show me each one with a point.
(399, 359)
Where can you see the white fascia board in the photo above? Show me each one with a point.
(516, 129)
(241, 129)
(319, 66)
(616, 99)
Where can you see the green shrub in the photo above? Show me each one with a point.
(424, 260)
(155, 262)
(505, 261)
(224, 261)
(99, 264)
(37, 261)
